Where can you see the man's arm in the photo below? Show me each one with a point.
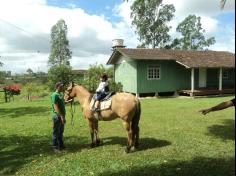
(218, 107)
(57, 110)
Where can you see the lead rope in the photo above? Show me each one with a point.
(72, 112)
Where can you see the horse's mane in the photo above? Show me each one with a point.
(82, 88)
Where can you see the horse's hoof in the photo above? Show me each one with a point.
(98, 142)
(92, 145)
(136, 145)
(133, 149)
(127, 149)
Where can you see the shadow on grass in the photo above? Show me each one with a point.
(225, 131)
(21, 111)
(145, 143)
(200, 166)
(16, 151)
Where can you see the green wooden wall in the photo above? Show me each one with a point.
(173, 77)
(133, 76)
(126, 74)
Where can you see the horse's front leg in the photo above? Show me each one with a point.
(129, 132)
(96, 132)
(91, 129)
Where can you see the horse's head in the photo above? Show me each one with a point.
(69, 92)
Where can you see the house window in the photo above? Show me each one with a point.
(225, 74)
(153, 72)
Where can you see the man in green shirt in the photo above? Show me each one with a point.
(58, 117)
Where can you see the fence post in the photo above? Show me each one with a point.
(5, 93)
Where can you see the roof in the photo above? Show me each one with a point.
(79, 72)
(190, 59)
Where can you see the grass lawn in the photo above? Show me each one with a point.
(176, 140)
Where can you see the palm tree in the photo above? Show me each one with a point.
(222, 4)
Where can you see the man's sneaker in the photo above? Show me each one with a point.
(62, 147)
(56, 150)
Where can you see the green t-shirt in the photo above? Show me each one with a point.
(56, 98)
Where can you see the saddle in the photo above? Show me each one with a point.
(105, 103)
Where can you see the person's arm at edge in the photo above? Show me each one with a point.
(218, 107)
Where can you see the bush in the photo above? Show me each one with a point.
(12, 89)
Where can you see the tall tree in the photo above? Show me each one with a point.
(60, 54)
(192, 35)
(29, 71)
(222, 4)
(150, 19)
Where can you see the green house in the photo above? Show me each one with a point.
(143, 71)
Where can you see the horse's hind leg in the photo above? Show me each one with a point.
(136, 144)
(130, 136)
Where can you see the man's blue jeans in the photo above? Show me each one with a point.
(57, 136)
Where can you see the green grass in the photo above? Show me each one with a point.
(175, 140)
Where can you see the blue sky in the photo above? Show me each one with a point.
(226, 18)
(92, 25)
(92, 7)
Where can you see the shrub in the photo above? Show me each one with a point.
(13, 89)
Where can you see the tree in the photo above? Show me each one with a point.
(150, 18)
(29, 71)
(30, 89)
(60, 54)
(94, 73)
(192, 35)
(222, 4)
(58, 73)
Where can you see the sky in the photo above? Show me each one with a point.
(25, 27)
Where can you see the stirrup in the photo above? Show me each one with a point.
(96, 109)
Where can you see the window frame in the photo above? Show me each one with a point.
(157, 69)
(226, 77)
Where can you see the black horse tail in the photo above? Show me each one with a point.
(135, 124)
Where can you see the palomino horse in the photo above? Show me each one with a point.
(124, 106)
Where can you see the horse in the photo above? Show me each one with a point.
(125, 106)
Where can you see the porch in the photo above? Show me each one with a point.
(206, 91)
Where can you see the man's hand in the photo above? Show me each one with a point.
(205, 111)
(63, 120)
(68, 101)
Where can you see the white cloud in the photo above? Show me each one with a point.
(25, 28)
(90, 36)
(200, 7)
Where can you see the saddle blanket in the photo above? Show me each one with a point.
(103, 104)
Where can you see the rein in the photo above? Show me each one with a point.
(72, 112)
(72, 109)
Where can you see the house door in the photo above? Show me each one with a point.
(202, 77)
